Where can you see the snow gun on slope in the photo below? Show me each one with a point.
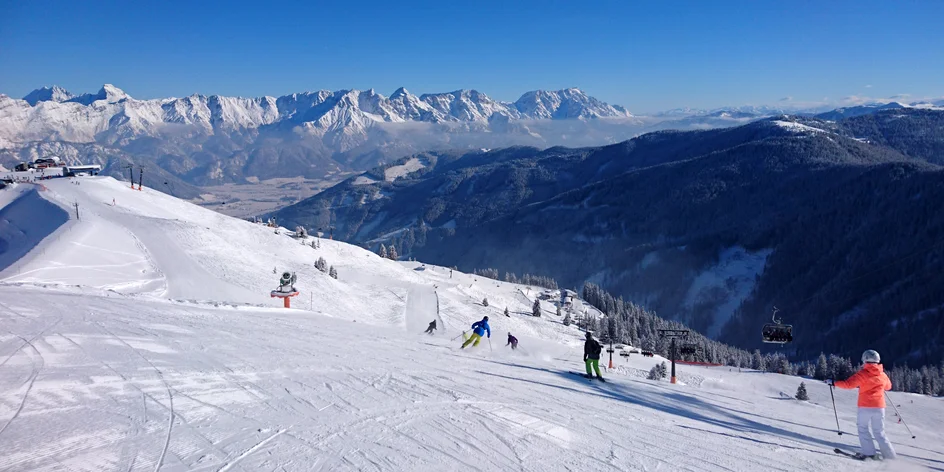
(286, 289)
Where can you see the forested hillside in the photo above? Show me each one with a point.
(840, 231)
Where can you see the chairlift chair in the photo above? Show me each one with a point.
(777, 332)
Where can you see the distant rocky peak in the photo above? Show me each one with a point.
(48, 94)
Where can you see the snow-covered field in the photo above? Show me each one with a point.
(142, 337)
(408, 167)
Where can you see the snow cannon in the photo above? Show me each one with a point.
(286, 289)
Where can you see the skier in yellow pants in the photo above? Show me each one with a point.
(478, 329)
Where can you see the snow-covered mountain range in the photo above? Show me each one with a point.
(202, 140)
(206, 139)
(112, 115)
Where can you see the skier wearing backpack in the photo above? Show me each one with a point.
(591, 356)
(431, 327)
(478, 329)
(512, 341)
(872, 384)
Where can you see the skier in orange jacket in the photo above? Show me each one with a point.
(872, 384)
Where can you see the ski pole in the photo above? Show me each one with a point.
(490, 344)
(838, 429)
(457, 337)
(899, 415)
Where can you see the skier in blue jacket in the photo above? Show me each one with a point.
(478, 329)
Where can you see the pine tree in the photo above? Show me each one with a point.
(558, 310)
(801, 392)
(333, 273)
(321, 264)
(506, 312)
(758, 362)
(383, 251)
(536, 308)
(821, 370)
(567, 319)
(485, 301)
(655, 373)
(393, 253)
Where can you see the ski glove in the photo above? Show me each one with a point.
(830, 382)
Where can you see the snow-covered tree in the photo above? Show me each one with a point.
(333, 273)
(392, 254)
(803, 369)
(558, 310)
(821, 370)
(655, 373)
(383, 251)
(536, 308)
(321, 264)
(758, 362)
(490, 273)
(567, 319)
(801, 392)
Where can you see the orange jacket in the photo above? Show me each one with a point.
(872, 383)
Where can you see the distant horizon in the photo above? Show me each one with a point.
(646, 57)
(780, 104)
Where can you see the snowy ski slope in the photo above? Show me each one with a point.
(142, 337)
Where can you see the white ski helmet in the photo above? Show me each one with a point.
(871, 356)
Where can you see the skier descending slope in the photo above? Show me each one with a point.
(512, 341)
(431, 327)
(872, 383)
(591, 356)
(478, 329)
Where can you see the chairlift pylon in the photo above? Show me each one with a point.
(777, 332)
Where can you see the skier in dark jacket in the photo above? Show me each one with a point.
(591, 356)
(512, 341)
(431, 328)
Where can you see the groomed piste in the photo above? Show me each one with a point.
(138, 333)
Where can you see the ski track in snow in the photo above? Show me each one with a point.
(170, 396)
(347, 380)
(30, 382)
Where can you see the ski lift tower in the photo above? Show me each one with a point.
(130, 168)
(607, 339)
(286, 289)
(673, 334)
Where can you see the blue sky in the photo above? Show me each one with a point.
(644, 55)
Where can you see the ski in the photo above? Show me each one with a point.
(581, 375)
(848, 454)
(588, 377)
(855, 456)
